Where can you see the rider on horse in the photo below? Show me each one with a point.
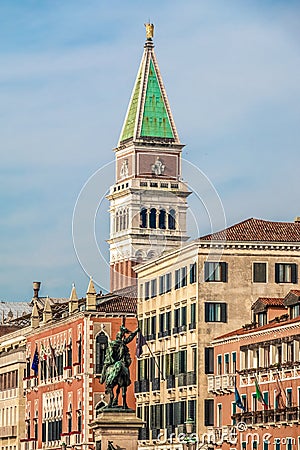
(117, 360)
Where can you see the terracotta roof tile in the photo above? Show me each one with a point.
(270, 301)
(295, 292)
(258, 230)
(242, 331)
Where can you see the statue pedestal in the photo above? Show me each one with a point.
(119, 426)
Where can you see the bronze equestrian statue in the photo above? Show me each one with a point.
(115, 372)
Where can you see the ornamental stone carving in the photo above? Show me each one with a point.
(158, 167)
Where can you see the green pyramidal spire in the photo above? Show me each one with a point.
(149, 114)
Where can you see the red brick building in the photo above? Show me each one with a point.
(256, 380)
(70, 339)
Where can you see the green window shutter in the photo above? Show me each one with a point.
(294, 273)
(224, 270)
(167, 360)
(223, 312)
(276, 273)
(176, 363)
(191, 409)
(206, 271)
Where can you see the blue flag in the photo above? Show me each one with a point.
(140, 342)
(238, 400)
(35, 361)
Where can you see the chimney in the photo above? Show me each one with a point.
(36, 287)
(297, 219)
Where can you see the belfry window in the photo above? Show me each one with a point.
(152, 218)
(171, 219)
(143, 217)
(162, 219)
(101, 346)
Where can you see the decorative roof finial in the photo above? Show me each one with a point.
(149, 30)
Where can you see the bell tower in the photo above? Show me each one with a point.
(148, 200)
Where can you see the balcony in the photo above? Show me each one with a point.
(271, 417)
(28, 444)
(221, 384)
(144, 386)
(8, 431)
(143, 434)
(191, 378)
(182, 379)
(270, 374)
(171, 382)
(156, 384)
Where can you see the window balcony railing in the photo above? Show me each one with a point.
(269, 416)
(156, 384)
(143, 434)
(270, 374)
(182, 379)
(141, 386)
(221, 384)
(8, 431)
(171, 382)
(191, 378)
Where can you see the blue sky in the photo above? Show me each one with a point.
(231, 71)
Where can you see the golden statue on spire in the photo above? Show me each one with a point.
(149, 30)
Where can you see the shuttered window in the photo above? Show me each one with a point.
(209, 360)
(193, 271)
(209, 412)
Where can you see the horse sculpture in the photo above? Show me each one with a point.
(115, 372)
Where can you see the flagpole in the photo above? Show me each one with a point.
(159, 369)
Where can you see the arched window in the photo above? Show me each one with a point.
(151, 254)
(69, 414)
(79, 352)
(117, 221)
(152, 218)
(143, 218)
(139, 256)
(171, 219)
(101, 346)
(162, 219)
(123, 226)
(69, 354)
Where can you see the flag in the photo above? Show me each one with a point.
(35, 361)
(45, 356)
(140, 342)
(279, 401)
(53, 357)
(259, 395)
(238, 400)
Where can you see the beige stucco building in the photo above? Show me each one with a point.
(12, 400)
(191, 295)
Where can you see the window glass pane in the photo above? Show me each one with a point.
(259, 272)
